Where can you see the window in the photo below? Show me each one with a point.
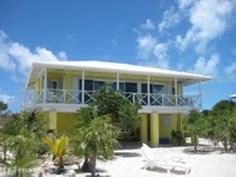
(144, 88)
(157, 88)
(131, 87)
(121, 86)
(167, 121)
(53, 84)
(98, 84)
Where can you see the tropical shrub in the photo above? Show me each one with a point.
(58, 149)
(98, 140)
(194, 126)
(223, 122)
(19, 138)
(177, 138)
(23, 154)
(123, 114)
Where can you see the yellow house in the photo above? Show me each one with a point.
(59, 89)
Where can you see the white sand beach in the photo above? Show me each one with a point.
(130, 163)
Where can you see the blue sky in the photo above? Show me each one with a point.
(188, 35)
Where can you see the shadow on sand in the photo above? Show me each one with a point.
(174, 171)
(127, 154)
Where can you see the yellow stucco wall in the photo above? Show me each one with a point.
(143, 128)
(165, 132)
(65, 122)
(154, 129)
(62, 123)
(52, 118)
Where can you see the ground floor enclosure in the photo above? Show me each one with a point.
(155, 128)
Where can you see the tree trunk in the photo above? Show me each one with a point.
(60, 165)
(4, 151)
(195, 142)
(225, 145)
(85, 166)
(93, 165)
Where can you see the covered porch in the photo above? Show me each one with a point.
(156, 128)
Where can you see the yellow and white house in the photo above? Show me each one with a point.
(59, 89)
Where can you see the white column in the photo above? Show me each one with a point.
(117, 81)
(82, 87)
(64, 89)
(176, 92)
(148, 89)
(200, 94)
(45, 86)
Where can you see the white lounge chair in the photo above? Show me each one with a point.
(165, 162)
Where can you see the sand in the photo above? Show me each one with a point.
(207, 163)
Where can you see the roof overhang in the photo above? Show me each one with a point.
(40, 67)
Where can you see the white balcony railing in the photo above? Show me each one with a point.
(63, 96)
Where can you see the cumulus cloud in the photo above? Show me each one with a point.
(149, 25)
(160, 53)
(152, 52)
(230, 70)
(185, 3)
(204, 66)
(6, 98)
(170, 18)
(208, 19)
(17, 58)
(146, 45)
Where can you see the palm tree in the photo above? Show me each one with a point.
(99, 140)
(58, 148)
(24, 156)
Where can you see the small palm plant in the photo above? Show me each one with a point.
(58, 148)
(23, 154)
(99, 140)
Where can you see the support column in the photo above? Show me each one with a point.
(176, 92)
(82, 87)
(68, 82)
(143, 128)
(154, 129)
(117, 81)
(148, 89)
(180, 122)
(45, 87)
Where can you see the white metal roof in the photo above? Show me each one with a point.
(115, 68)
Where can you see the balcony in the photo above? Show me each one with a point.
(33, 99)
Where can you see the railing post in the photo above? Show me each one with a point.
(117, 81)
(83, 76)
(148, 89)
(45, 87)
(64, 92)
(176, 92)
(162, 100)
(133, 99)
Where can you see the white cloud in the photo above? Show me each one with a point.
(170, 18)
(152, 52)
(185, 3)
(146, 45)
(160, 52)
(17, 58)
(149, 25)
(209, 20)
(6, 98)
(231, 70)
(204, 66)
